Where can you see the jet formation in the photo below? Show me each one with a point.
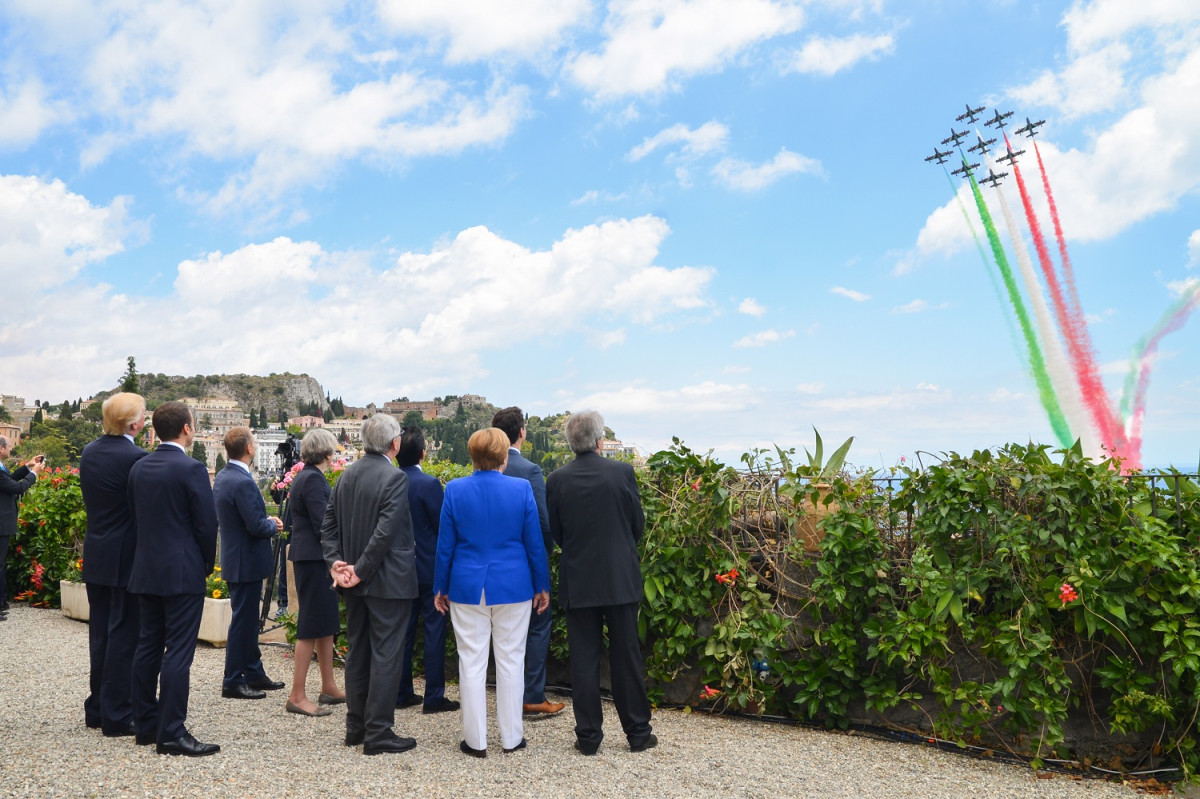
(982, 145)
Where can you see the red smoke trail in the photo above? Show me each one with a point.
(1073, 331)
(1086, 370)
(1149, 348)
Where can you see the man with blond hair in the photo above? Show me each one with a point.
(107, 560)
(246, 560)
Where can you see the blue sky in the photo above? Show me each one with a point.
(704, 219)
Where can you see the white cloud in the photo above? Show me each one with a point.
(1092, 24)
(810, 388)
(735, 174)
(828, 55)
(426, 320)
(916, 306)
(1194, 248)
(705, 397)
(479, 29)
(1093, 82)
(764, 338)
(750, 307)
(276, 97)
(857, 296)
(48, 234)
(25, 113)
(652, 44)
(708, 137)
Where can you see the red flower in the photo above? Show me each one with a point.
(723, 579)
(709, 693)
(696, 485)
(733, 574)
(1067, 594)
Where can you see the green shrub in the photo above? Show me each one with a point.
(49, 538)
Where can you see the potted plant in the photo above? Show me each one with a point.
(73, 593)
(807, 486)
(214, 621)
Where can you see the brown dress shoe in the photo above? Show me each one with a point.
(547, 707)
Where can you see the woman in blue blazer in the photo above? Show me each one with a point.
(490, 563)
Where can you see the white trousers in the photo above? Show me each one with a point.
(505, 627)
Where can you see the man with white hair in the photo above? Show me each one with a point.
(367, 541)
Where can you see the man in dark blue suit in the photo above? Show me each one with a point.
(12, 486)
(107, 561)
(246, 560)
(425, 507)
(537, 645)
(176, 521)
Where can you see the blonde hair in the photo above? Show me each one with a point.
(121, 410)
(488, 448)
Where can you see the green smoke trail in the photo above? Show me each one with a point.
(1037, 363)
(1172, 319)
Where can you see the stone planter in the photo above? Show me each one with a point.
(809, 524)
(214, 622)
(74, 600)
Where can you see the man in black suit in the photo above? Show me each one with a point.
(425, 507)
(596, 517)
(12, 486)
(107, 561)
(537, 644)
(246, 560)
(176, 522)
(367, 540)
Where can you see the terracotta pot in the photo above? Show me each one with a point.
(808, 525)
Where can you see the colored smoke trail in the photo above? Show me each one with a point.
(1141, 361)
(1036, 362)
(1076, 310)
(987, 265)
(1073, 330)
(1056, 359)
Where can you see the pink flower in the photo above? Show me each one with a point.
(696, 485)
(1067, 594)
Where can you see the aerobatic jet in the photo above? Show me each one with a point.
(940, 156)
(993, 178)
(982, 146)
(964, 170)
(998, 120)
(954, 136)
(971, 114)
(1029, 128)
(1012, 156)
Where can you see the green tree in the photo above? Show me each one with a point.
(5, 416)
(253, 419)
(37, 417)
(49, 443)
(200, 452)
(412, 419)
(129, 380)
(220, 462)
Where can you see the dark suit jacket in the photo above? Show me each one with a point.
(520, 466)
(367, 524)
(596, 517)
(12, 486)
(176, 521)
(104, 481)
(246, 530)
(425, 506)
(307, 499)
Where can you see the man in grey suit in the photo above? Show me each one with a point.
(596, 518)
(537, 645)
(367, 541)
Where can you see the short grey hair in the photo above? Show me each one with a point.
(584, 431)
(317, 445)
(379, 431)
(3, 441)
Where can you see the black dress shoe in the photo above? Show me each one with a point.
(515, 748)
(144, 740)
(410, 701)
(187, 745)
(119, 731)
(92, 725)
(394, 744)
(243, 691)
(650, 742)
(586, 749)
(354, 738)
(442, 705)
(265, 685)
(467, 750)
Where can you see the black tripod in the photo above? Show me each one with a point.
(288, 453)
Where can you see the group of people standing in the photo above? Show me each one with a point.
(402, 552)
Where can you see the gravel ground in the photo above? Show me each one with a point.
(45, 750)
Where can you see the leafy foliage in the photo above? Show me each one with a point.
(49, 538)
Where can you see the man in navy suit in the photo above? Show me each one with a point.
(246, 560)
(425, 507)
(176, 521)
(537, 645)
(12, 486)
(107, 561)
